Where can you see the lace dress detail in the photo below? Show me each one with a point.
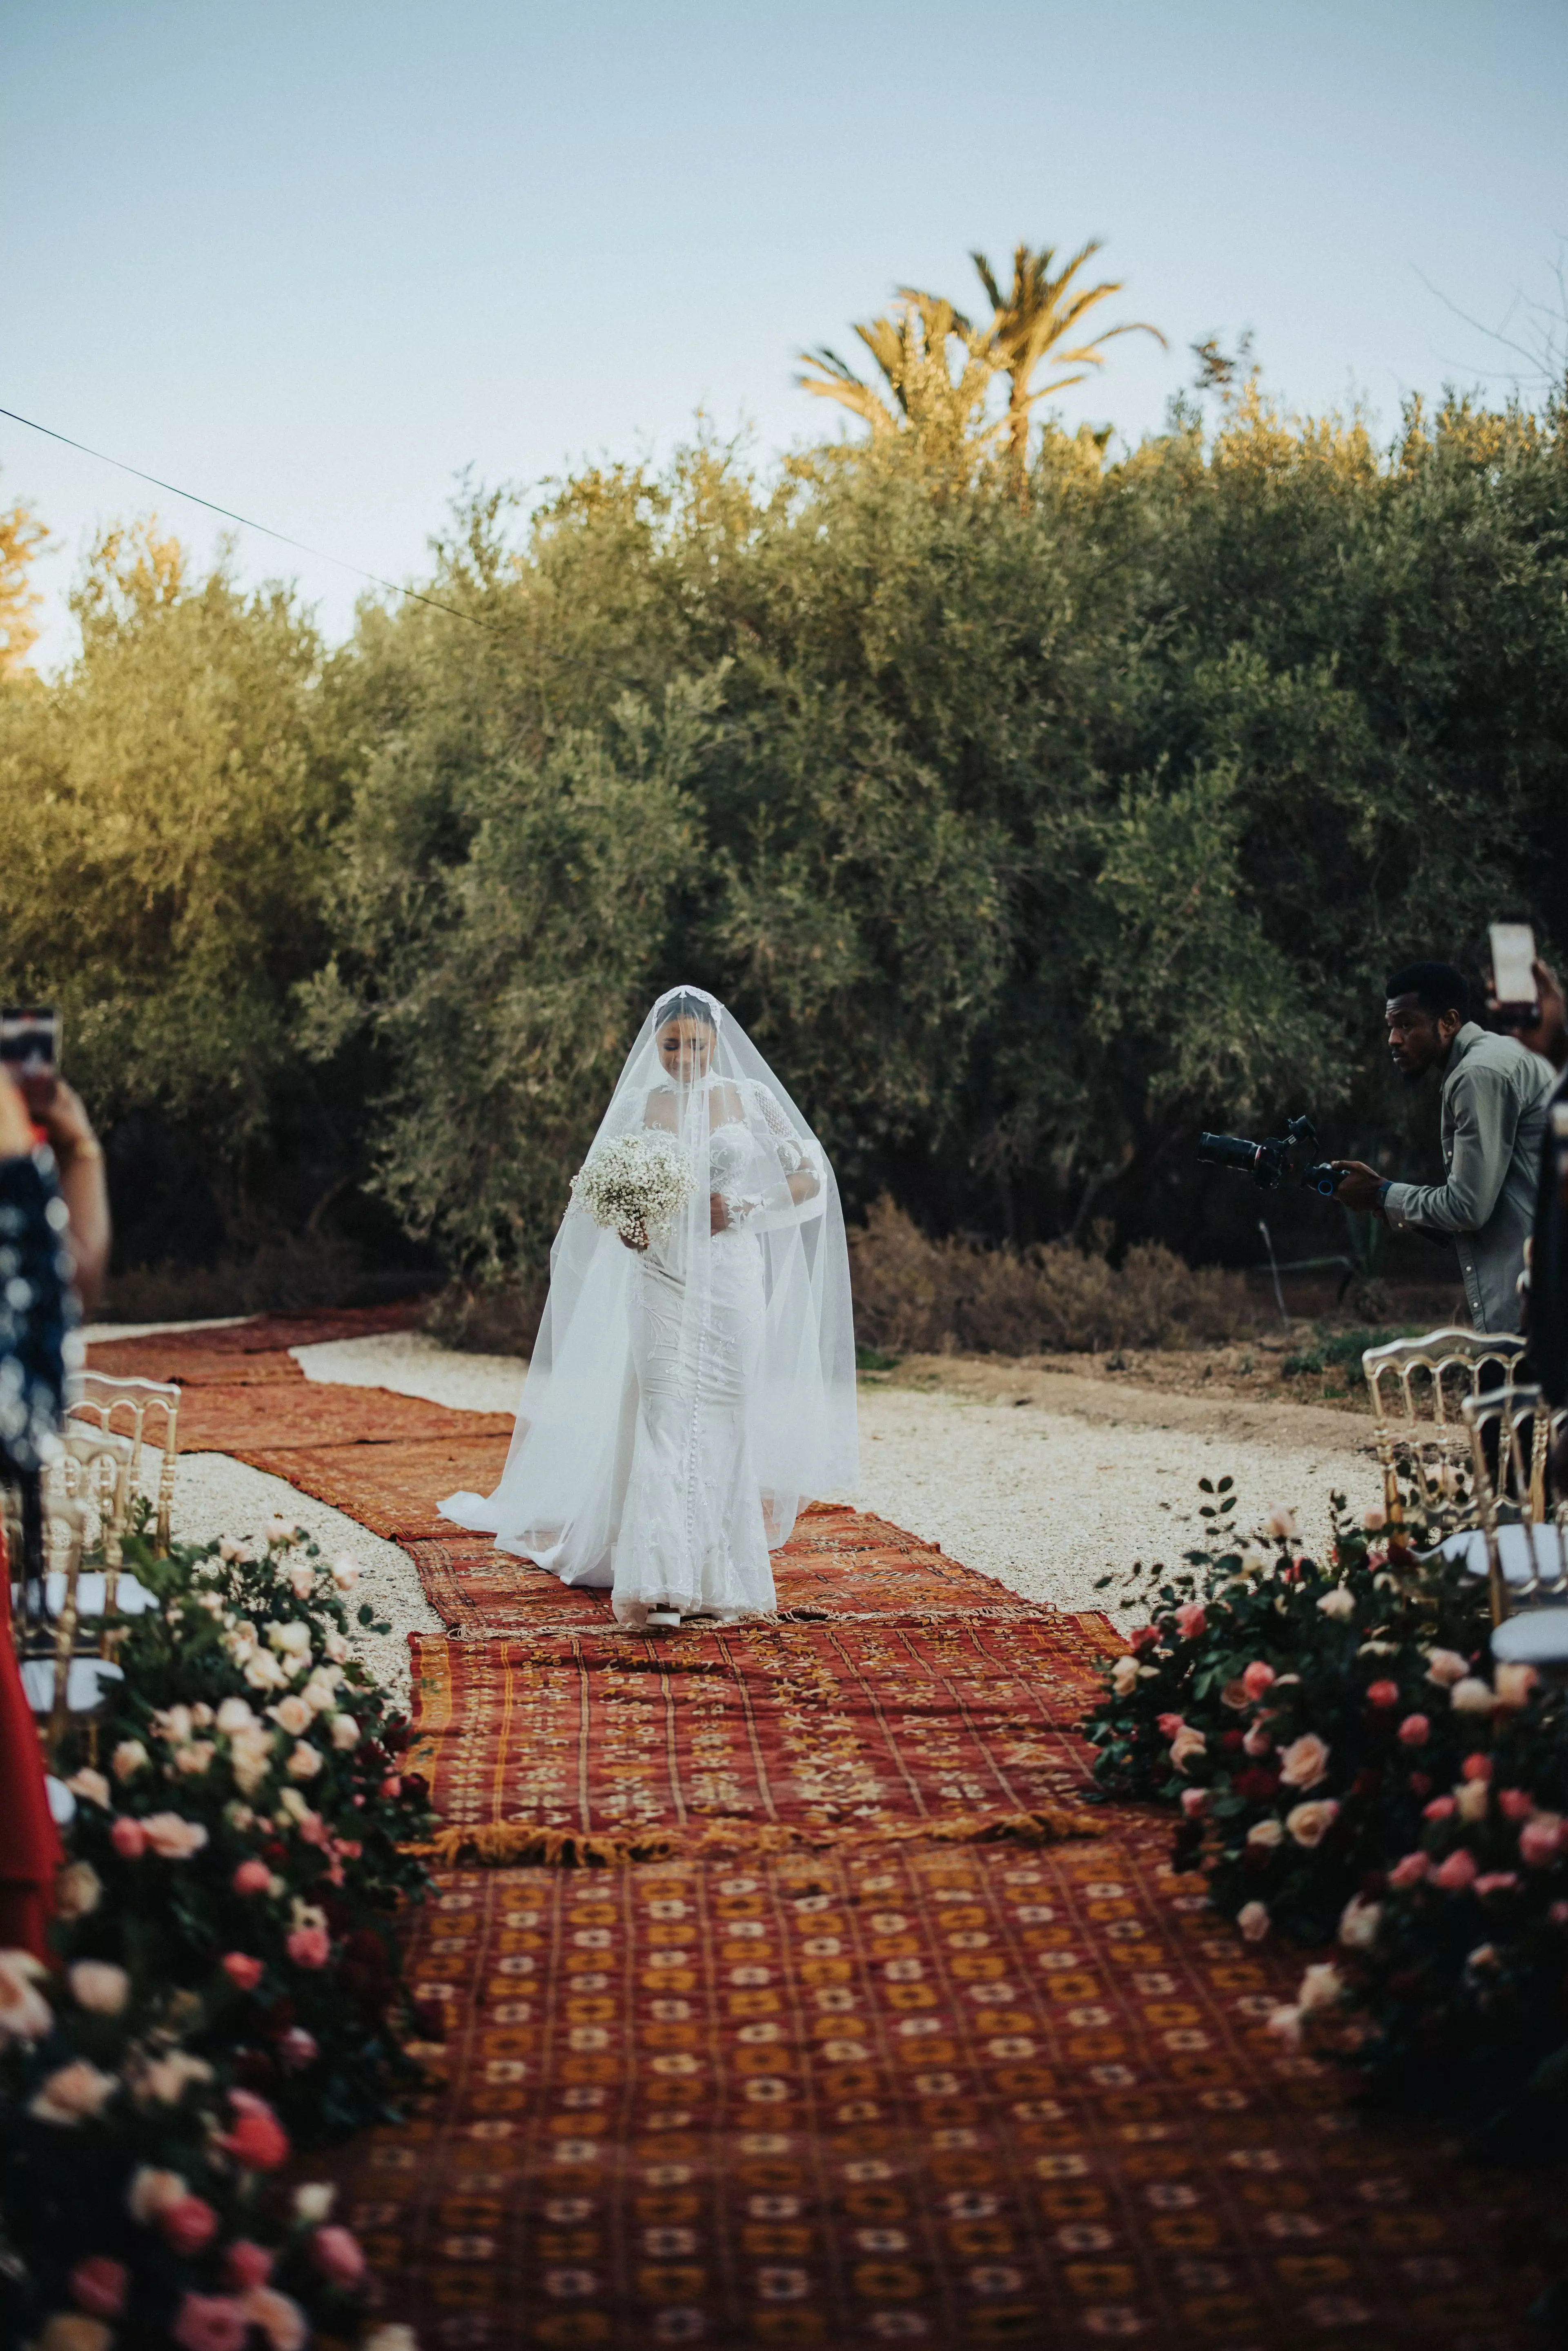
(693, 1533)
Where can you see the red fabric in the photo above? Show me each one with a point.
(29, 1841)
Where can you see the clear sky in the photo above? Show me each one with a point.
(311, 257)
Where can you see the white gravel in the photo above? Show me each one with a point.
(411, 1364)
(1048, 1501)
(1044, 1500)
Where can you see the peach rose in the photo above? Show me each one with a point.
(1266, 1835)
(25, 2013)
(1309, 1823)
(1186, 1742)
(1253, 1920)
(172, 1837)
(151, 2191)
(98, 1985)
(1513, 1684)
(1304, 1761)
(73, 2094)
(1446, 1666)
(1320, 1987)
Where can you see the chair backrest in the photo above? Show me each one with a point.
(1416, 1376)
(109, 1402)
(95, 1465)
(1511, 1432)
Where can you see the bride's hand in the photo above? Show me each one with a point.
(718, 1214)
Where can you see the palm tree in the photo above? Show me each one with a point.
(922, 395)
(1033, 326)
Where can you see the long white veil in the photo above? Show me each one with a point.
(561, 1494)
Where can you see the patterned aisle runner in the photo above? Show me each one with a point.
(854, 2057)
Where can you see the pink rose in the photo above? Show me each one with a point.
(1259, 1740)
(1411, 1870)
(1253, 1920)
(1257, 1678)
(188, 2224)
(172, 1837)
(1191, 1621)
(129, 1838)
(1446, 1666)
(98, 2284)
(257, 2138)
(1194, 1803)
(1558, 1913)
(211, 2321)
(246, 2265)
(252, 1876)
(242, 1970)
(336, 2253)
(391, 1785)
(1476, 1767)
(1515, 1804)
(1143, 1638)
(1441, 1808)
(1540, 1840)
(1415, 1731)
(1167, 1725)
(1305, 1761)
(1381, 1694)
(309, 1947)
(1455, 1875)
(1497, 1881)
(297, 2049)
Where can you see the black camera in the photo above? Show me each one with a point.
(1270, 1162)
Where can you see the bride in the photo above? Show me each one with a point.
(687, 1393)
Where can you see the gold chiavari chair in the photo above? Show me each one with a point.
(107, 1402)
(1524, 1556)
(1412, 1383)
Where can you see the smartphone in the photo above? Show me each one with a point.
(30, 1050)
(1512, 976)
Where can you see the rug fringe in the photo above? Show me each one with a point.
(512, 1845)
(520, 1844)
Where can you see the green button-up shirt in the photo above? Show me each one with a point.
(1494, 1125)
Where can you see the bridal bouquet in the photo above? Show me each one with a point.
(636, 1185)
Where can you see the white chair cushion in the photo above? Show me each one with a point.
(1537, 1637)
(1514, 1548)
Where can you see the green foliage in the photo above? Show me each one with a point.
(1253, 1648)
(1026, 832)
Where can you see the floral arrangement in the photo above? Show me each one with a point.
(140, 2196)
(240, 1829)
(1451, 1983)
(636, 1185)
(1349, 1767)
(1299, 1715)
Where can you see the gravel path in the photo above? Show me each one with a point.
(1045, 1488)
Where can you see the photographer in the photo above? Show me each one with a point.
(1494, 1125)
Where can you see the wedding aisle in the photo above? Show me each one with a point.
(874, 2026)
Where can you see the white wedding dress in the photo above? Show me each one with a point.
(683, 1401)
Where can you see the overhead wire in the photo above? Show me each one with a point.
(246, 522)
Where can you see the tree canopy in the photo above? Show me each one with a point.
(1027, 833)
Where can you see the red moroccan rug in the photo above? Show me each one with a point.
(875, 2028)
